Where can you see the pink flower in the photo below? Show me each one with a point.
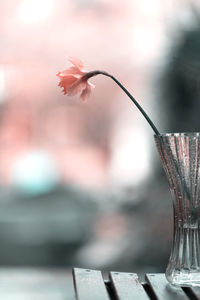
(74, 80)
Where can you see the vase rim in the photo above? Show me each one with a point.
(195, 133)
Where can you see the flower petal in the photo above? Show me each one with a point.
(87, 91)
(66, 82)
(72, 70)
(76, 87)
(77, 63)
(91, 85)
(61, 75)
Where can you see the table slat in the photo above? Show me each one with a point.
(89, 285)
(127, 286)
(163, 290)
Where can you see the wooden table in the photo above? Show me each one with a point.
(17, 283)
(89, 285)
(57, 284)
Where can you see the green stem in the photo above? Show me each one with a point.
(94, 73)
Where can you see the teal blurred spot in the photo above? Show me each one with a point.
(35, 173)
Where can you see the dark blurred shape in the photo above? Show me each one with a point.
(45, 229)
(180, 82)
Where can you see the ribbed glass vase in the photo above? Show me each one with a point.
(180, 155)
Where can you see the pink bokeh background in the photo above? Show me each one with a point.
(105, 142)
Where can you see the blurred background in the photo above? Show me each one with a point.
(81, 184)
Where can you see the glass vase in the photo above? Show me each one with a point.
(180, 156)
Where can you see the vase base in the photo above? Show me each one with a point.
(184, 279)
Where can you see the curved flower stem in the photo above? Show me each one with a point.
(94, 73)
